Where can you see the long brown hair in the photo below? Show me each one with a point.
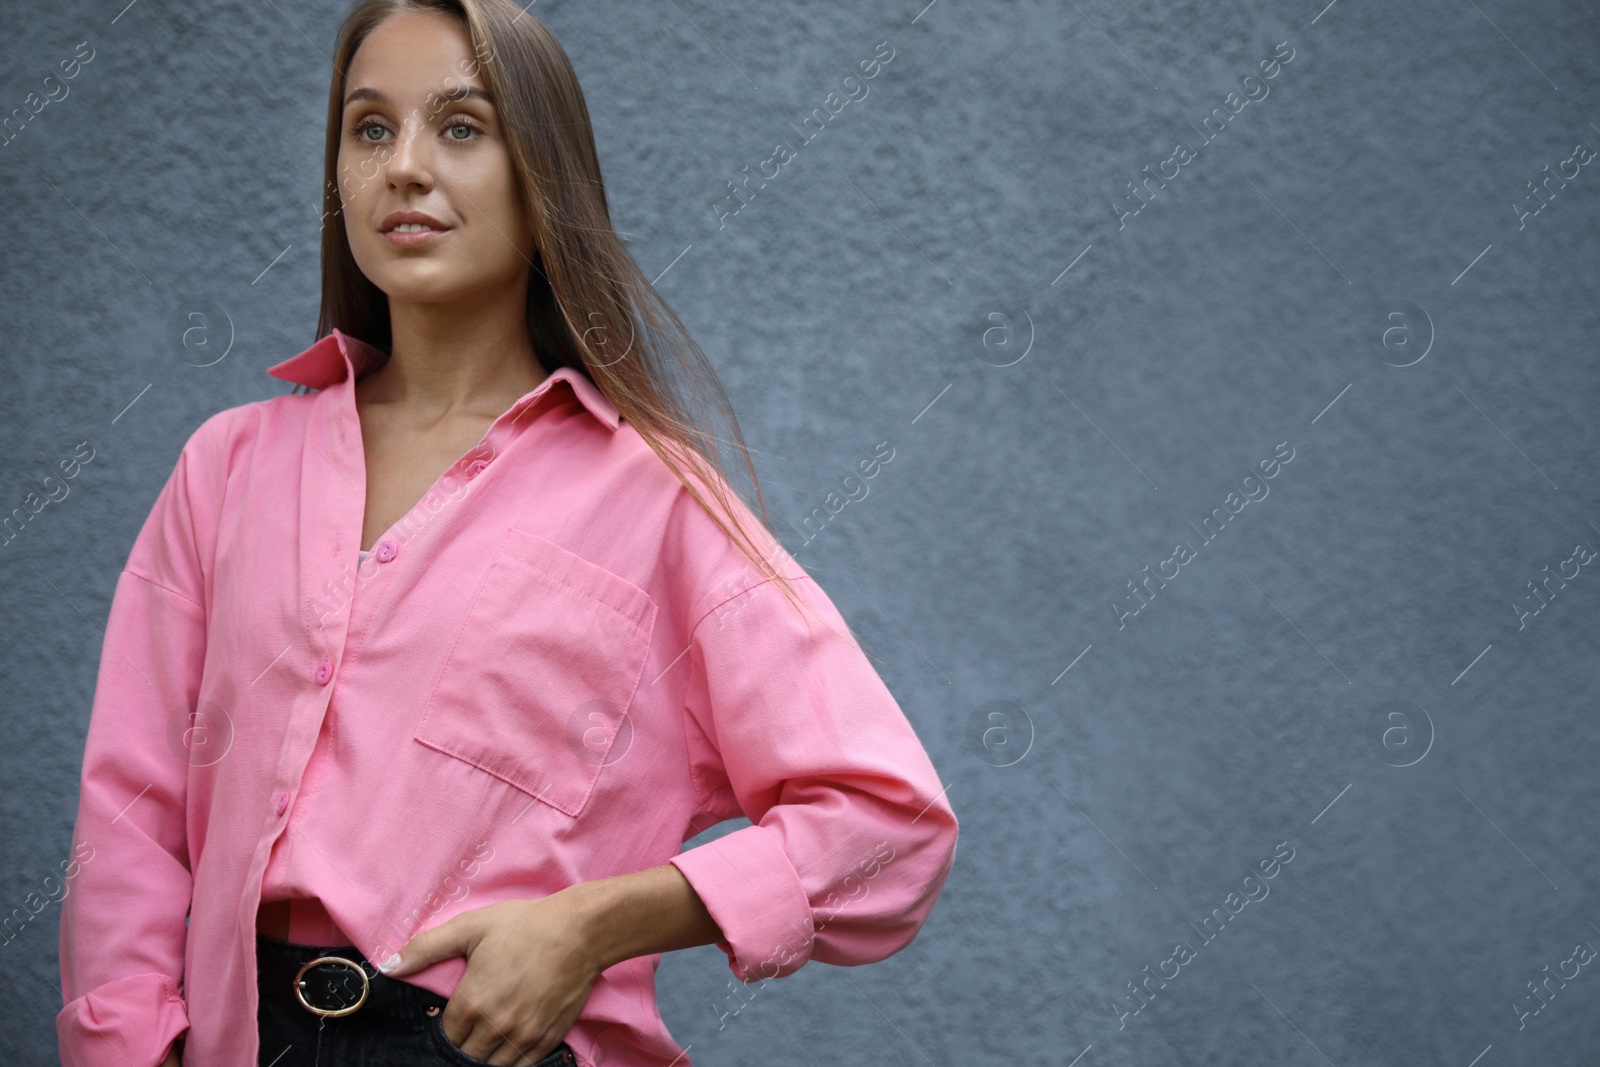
(585, 290)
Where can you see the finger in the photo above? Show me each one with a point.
(470, 1039)
(452, 938)
(501, 1046)
(518, 1053)
(481, 1038)
(492, 1045)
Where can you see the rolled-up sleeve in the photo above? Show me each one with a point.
(123, 930)
(852, 837)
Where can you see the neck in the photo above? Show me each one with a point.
(456, 356)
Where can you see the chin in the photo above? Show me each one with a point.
(420, 282)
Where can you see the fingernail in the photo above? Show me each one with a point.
(390, 964)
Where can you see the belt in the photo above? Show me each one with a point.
(340, 981)
(331, 982)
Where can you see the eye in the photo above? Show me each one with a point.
(359, 130)
(462, 123)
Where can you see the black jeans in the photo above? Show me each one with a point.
(410, 1035)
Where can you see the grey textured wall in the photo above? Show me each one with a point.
(1069, 377)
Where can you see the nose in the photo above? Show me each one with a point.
(410, 160)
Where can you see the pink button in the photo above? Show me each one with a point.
(475, 468)
(282, 802)
(325, 671)
(386, 549)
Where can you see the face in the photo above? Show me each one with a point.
(420, 135)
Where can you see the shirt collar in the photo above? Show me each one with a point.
(332, 360)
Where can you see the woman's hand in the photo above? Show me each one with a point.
(532, 963)
(529, 973)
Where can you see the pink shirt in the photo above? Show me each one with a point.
(555, 668)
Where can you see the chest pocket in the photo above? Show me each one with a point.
(539, 683)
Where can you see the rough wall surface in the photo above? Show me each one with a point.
(1081, 315)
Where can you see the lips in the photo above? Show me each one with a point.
(410, 221)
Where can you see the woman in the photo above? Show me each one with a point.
(438, 666)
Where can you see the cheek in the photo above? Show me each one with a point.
(492, 197)
(360, 180)
(363, 180)
(350, 215)
(511, 208)
(348, 184)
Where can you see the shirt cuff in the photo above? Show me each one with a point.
(749, 885)
(128, 1021)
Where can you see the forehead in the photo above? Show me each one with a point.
(415, 52)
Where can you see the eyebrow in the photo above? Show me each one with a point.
(461, 93)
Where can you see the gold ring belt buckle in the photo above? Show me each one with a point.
(299, 985)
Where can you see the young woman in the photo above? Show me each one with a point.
(414, 685)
